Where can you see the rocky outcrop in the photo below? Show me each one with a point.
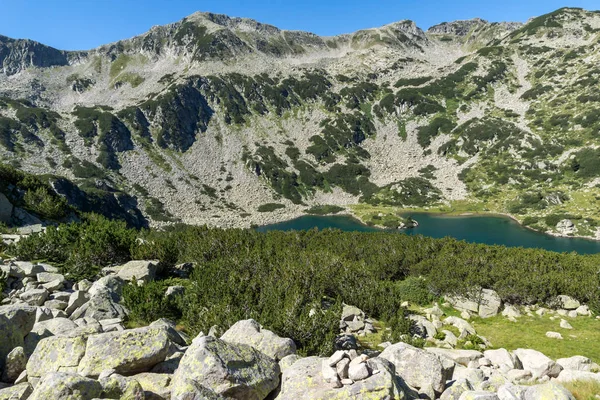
(63, 386)
(251, 333)
(17, 55)
(6, 209)
(228, 369)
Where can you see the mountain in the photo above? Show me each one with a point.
(212, 119)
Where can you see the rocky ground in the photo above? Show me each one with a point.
(67, 340)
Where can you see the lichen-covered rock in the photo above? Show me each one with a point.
(21, 391)
(101, 306)
(489, 303)
(191, 390)
(56, 354)
(478, 395)
(569, 375)
(127, 352)
(417, 367)
(550, 390)
(35, 297)
(66, 386)
(456, 390)
(577, 363)
(462, 357)
(15, 323)
(228, 369)
(251, 333)
(16, 362)
(155, 386)
(502, 359)
(76, 300)
(304, 381)
(142, 271)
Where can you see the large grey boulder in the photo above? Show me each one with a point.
(418, 368)
(569, 375)
(56, 354)
(21, 391)
(15, 323)
(228, 369)
(76, 300)
(456, 390)
(567, 302)
(143, 271)
(460, 324)
(462, 357)
(576, 363)
(35, 297)
(537, 363)
(6, 209)
(463, 303)
(489, 303)
(66, 386)
(100, 306)
(303, 380)
(16, 362)
(192, 390)
(550, 390)
(127, 352)
(251, 333)
(502, 359)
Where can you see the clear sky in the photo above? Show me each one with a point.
(84, 24)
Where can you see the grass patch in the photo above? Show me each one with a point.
(583, 390)
(530, 333)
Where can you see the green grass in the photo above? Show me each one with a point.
(583, 390)
(119, 65)
(530, 333)
(132, 78)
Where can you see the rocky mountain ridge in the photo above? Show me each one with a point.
(212, 118)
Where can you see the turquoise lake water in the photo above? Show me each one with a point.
(475, 229)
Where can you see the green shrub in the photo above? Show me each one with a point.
(324, 210)
(47, 205)
(146, 302)
(270, 207)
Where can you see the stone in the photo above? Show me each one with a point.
(462, 357)
(565, 324)
(456, 390)
(567, 302)
(502, 358)
(511, 312)
(330, 375)
(511, 392)
(83, 286)
(174, 335)
(191, 390)
(56, 354)
(554, 335)
(416, 367)
(358, 372)
(15, 323)
(550, 390)
(583, 311)
(155, 386)
(174, 291)
(478, 395)
(342, 368)
(55, 304)
(76, 300)
(450, 338)
(288, 361)
(460, 324)
(228, 369)
(22, 391)
(427, 329)
(30, 269)
(350, 312)
(566, 227)
(183, 270)
(537, 363)
(101, 306)
(489, 303)
(346, 342)
(127, 352)
(16, 362)
(35, 297)
(355, 326)
(463, 303)
(56, 326)
(572, 314)
(336, 358)
(251, 333)
(473, 375)
(541, 312)
(576, 363)
(465, 315)
(61, 385)
(43, 314)
(143, 271)
(303, 381)
(53, 286)
(569, 375)
(45, 277)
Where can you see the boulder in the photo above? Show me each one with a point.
(416, 367)
(21, 391)
(489, 304)
(143, 271)
(566, 227)
(351, 312)
(30, 269)
(56, 354)
(502, 359)
(554, 335)
(569, 375)
(56, 304)
(35, 297)
(228, 369)
(127, 352)
(511, 312)
(567, 302)
(155, 386)
(463, 303)
(550, 390)
(251, 333)
(462, 357)
(565, 324)
(57, 326)
(76, 300)
(460, 324)
(45, 277)
(583, 311)
(169, 326)
(304, 381)
(537, 363)
(101, 306)
(66, 386)
(16, 362)
(191, 390)
(15, 323)
(473, 375)
(575, 363)
(511, 392)
(456, 390)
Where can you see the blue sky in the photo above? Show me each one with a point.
(83, 24)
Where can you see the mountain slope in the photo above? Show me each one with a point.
(207, 119)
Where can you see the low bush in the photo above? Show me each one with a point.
(270, 207)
